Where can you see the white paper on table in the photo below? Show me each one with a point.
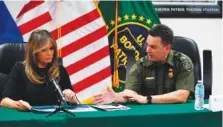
(111, 107)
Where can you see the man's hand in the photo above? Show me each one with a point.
(105, 98)
(137, 98)
(22, 105)
(128, 92)
(70, 96)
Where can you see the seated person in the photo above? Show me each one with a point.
(29, 84)
(163, 76)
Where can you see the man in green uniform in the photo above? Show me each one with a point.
(163, 76)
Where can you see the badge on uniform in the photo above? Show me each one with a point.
(170, 73)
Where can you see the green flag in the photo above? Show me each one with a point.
(128, 23)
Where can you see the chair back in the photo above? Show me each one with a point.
(189, 48)
(10, 53)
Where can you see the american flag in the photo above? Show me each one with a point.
(81, 36)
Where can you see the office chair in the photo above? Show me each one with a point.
(207, 72)
(3, 80)
(189, 48)
(10, 53)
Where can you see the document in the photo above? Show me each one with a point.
(112, 107)
(75, 108)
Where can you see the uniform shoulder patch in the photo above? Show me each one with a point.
(187, 64)
(184, 60)
(135, 67)
(140, 60)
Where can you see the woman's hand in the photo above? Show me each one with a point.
(70, 96)
(19, 105)
(22, 105)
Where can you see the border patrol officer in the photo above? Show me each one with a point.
(163, 76)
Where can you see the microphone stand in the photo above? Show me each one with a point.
(59, 107)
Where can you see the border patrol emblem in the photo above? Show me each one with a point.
(132, 31)
(186, 64)
(170, 73)
(128, 24)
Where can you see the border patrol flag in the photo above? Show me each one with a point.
(128, 23)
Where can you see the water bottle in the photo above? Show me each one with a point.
(199, 96)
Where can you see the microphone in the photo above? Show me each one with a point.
(57, 88)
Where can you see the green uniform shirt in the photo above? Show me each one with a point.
(151, 78)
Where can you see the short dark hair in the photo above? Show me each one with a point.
(164, 32)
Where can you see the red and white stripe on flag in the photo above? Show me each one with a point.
(81, 36)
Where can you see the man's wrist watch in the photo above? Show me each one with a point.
(149, 99)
